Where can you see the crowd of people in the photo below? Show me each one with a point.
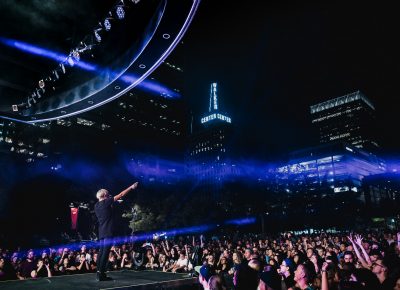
(323, 261)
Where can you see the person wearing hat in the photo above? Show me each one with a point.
(205, 272)
(269, 280)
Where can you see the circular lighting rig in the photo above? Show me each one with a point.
(130, 47)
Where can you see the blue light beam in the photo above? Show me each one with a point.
(241, 222)
(146, 85)
(147, 236)
(45, 53)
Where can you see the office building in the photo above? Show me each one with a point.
(350, 118)
(327, 169)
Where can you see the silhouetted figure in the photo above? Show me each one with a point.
(104, 210)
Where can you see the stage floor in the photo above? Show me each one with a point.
(125, 279)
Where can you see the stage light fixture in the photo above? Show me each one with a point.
(62, 68)
(56, 76)
(41, 84)
(83, 47)
(107, 24)
(70, 61)
(76, 55)
(120, 12)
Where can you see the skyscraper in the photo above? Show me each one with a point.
(208, 156)
(350, 118)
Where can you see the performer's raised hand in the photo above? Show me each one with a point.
(135, 185)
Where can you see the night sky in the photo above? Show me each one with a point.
(273, 60)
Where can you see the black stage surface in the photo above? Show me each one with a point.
(123, 280)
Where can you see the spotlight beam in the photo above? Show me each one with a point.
(146, 85)
(45, 53)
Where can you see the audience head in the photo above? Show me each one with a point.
(216, 283)
(271, 279)
(304, 273)
(205, 272)
(348, 257)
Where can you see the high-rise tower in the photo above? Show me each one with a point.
(350, 118)
(208, 154)
(209, 144)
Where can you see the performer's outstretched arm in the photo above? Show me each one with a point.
(124, 192)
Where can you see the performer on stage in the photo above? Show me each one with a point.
(104, 211)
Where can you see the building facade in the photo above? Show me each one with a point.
(327, 169)
(350, 118)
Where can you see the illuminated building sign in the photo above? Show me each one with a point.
(339, 136)
(213, 107)
(214, 95)
(215, 116)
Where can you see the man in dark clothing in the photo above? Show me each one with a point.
(27, 266)
(104, 210)
(381, 270)
(245, 278)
